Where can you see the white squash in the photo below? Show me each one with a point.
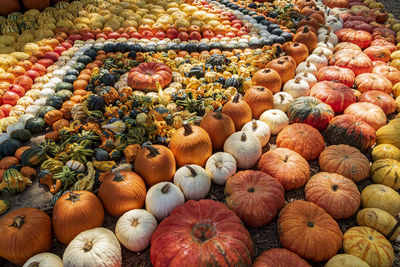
(245, 148)
(44, 260)
(308, 77)
(307, 66)
(220, 167)
(296, 87)
(25, 101)
(327, 34)
(134, 229)
(260, 129)
(96, 247)
(15, 126)
(46, 93)
(193, 180)
(319, 60)
(25, 117)
(75, 165)
(282, 101)
(162, 198)
(17, 111)
(325, 51)
(326, 44)
(334, 23)
(276, 120)
(40, 102)
(32, 109)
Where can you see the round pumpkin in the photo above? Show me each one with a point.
(380, 220)
(355, 60)
(279, 257)
(358, 37)
(387, 172)
(259, 99)
(284, 67)
(146, 76)
(369, 81)
(382, 197)
(254, 196)
(389, 72)
(384, 151)
(238, 110)
(337, 74)
(268, 78)
(306, 37)
(370, 113)
(346, 260)
(381, 99)
(219, 127)
(296, 50)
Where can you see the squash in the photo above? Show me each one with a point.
(382, 197)
(21, 135)
(280, 257)
(33, 156)
(28, 172)
(381, 221)
(14, 182)
(9, 147)
(245, 148)
(268, 78)
(385, 151)
(44, 260)
(35, 125)
(238, 110)
(370, 113)
(7, 162)
(258, 128)
(220, 166)
(346, 260)
(259, 99)
(20, 151)
(387, 172)
(193, 180)
(276, 120)
(389, 134)
(147, 75)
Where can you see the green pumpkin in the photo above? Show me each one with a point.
(232, 82)
(33, 156)
(101, 154)
(8, 147)
(21, 135)
(84, 59)
(79, 66)
(64, 86)
(35, 125)
(14, 182)
(65, 94)
(55, 101)
(115, 155)
(43, 111)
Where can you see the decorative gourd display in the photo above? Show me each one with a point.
(155, 164)
(254, 196)
(245, 148)
(346, 260)
(260, 129)
(382, 197)
(239, 111)
(385, 151)
(219, 127)
(279, 257)
(95, 247)
(122, 191)
(276, 120)
(309, 231)
(75, 212)
(200, 233)
(379, 220)
(345, 160)
(191, 145)
(44, 260)
(381, 99)
(259, 99)
(193, 180)
(377, 251)
(14, 182)
(220, 166)
(134, 229)
(268, 78)
(303, 139)
(387, 172)
(26, 232)
(146, 76)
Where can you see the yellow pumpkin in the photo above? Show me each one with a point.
(385, 151)
(7, 61)
(398, 103)
(396, 90)
(346, 260)
(382, 197)
(379, 220)
(20, 55)
(387, 172)
(389, 134)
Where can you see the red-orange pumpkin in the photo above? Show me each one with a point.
(337, 74)
(355, 60)
(219, 127)
(382, 100)
(358, 37)
(378, 53)
(239, 111)
(388, 72)
(268, 78)
(279, 257)
(259, 99)
(146, 76)
(370, 81)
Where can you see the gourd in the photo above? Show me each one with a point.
(381, 221)
(260, 129)
(385, 151)
(382, 197)
(387, 172)
(280, 256)
(346, 260)
(14, 182)
(33, 156)
(193, 180)
(9, 146)
(238, 110)
(245, 148)
(268, 78)
(21, 135)
(276, 120)
(44, 260)
(7, 162)
(220, 166)
(370, 113)
(35, 125)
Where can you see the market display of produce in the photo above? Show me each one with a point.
(199, 133)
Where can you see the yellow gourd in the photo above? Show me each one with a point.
(385, 151)
(380, 220)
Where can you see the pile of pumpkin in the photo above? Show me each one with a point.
(294, 96)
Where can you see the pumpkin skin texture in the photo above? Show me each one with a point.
(369, 81)
(355, 60)
(388, 72)
(345, 160)
(9, 6)
(303, 139)
(284, 67)
(311, 111)
(336, 95)
(44, 260)
(309, 231)
(380, 220)
(254, 196)
(347, 129)
(219, 127)
(385, 151)
(268, 78)
(26, 232)
(334, 73)
(381, 99)
(36, 4)
(298, 51)
(336, 194)
(122, 191)
(239, 111)
(358, 37)
(180, 239)
(382, 197)
(191, 145)
(259, 99)
(370, 113)
(376, 249)
(387, 172)
(346, 260)
(279, 257)
(289, 167)
(75, 212)
(306, 37)
(145, 76)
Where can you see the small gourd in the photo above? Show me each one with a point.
(75, 165)
(220, 166)
(245, 148)
(380, 220)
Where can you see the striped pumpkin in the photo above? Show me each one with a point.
(387, 172)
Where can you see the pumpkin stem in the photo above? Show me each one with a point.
(18, 222)
(34, 264)
(88, 246)
(118, 177)
(335, 187)
(305, 30)
(192, 171)
(73, 197)
(165, 188)
(254, 125)
(310, 224)
(266, 70)
(297, 80)
(153, 151)
(219, 164)
(135, 222)
(329, 30)
(326, 40)
(282, 97)
(281, 61)
(244, 137)
(260, 88)
(286, 158)
(188, 128)
(236, 99)
(305, 74)
(218, 113)
(308, 64)
(251, 190)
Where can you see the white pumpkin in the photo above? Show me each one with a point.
(324, 51)
(326, 44)
(276, 120)
(282, 101)
(245, 148)
(162, 198)
(193, 180)
(44, 260)
(260, 129)
(308, 77)
(46, 93)
(319, 60)
(334, 23)
(25, 117)
(41, 102)
(134, 229)
(307, 66)
(220, 166)
(328, 35)
(32, 109)
(75, 165)
(96, 247)
(15, 126)
(296, 87)
(25, 101)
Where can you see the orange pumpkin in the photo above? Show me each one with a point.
(378, 53)
(239, 111)
(7, 77)
(279, 257)
(219, 127)
(7, 162)
(268, 78)
(296, 50)
(52, 116)
(382, 100)
(306, 37)
(16, 70)
(146, 76)
(59, 124)
(80, 84)
(284, 66)
(370, 81)
(388, 72)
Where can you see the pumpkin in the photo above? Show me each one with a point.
(238, 110)
(219, 127)
(367, 112)
(44, 259)
(254, 196)
(155, 164)
(21, 135)
(259, 129)
(163, 198)
(268, 78)
(33, 156)
(146, 76)
(377, 250)
(306, 37)
(303, 139)
(389, 134)
(309, 231)
(296, 87)
(381, 99)
(337, 74)
(9, 147)
(36, 4)
(385, 151)
(279, 257)
(75, 212)
(358, 37)
(389, 72)
(378, 53)
(387, 172)
(245, 148)
(369, 81)
(275, 119)
(20, 151)
(382, 197)
(354, 60)
(346, 260)
(308, 77)
(259, 99)
(134, 229)
(336, 3)
(52, 116)
(122, 191)
(26, 232)
(282, 101)
(193, 180)
(61, 123)
(94, 247)
(347, 129)
(201, 233)
(35, 125)
(379, 220)
(191, 144)
(296, 50)
(7, 162)
(28, 172)
(220, 166)
(336, 194)
(285, 66)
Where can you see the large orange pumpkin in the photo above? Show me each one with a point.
(370, 113)
(388, 72)
(146, 76)
(9, 6)
(369, 81)
(268, 78)
(239, 111)
(279, 257)
(381, 99)
(259, 99)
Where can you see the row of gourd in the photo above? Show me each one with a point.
(313, 92)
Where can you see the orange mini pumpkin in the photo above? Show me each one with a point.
(269, 78)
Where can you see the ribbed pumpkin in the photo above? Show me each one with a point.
(337, 74)
(296, 50)
(346, 260)
(155, 163)
(259, 99)
(382, 197)
(268, 78)
(191, 145)
(122, 191)
(385, 151)
(75, 212)
(285, 66)
(381, 99)
(376, 249)
(369, 81)
(279, 257)
(345, 160)
(33, 156)
(390, 133)
(254, 196)
(306, 37)
(336, 194)
(309, 231)
(387, 172)
(219, 127)
(52, 116)
(239, 111)
(303, 139)
(380, 220)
